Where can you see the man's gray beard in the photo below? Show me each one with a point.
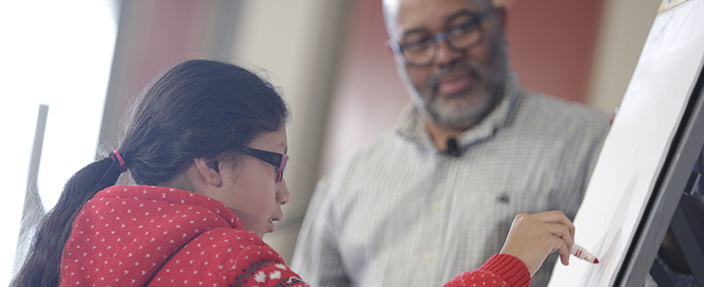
(464, 116)
(467, 114)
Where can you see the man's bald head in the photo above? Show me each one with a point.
(464, 65)
(390, 10)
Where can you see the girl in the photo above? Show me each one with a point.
(207, 146)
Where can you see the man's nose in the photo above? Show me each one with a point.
(445, 54)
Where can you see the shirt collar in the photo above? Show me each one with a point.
(412, 126)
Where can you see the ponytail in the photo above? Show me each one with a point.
(43, 263)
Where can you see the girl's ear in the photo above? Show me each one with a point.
(209, 170)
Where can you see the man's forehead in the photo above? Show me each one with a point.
(407, 15)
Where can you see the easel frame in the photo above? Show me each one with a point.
(663, 204)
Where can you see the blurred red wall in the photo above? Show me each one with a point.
(552, 43)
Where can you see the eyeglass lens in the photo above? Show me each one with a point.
(462, 36)
(280, 170)
(279, 161)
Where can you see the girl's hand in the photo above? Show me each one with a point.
(533, 236)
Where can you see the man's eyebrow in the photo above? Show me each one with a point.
(460, 13)
(418, 30)
(448, 19)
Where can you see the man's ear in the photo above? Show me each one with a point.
(209, 170)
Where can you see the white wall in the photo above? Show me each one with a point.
(298, 44)
(625, 25)
(57, 54)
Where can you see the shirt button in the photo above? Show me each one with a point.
(435, 206)
(427, 257)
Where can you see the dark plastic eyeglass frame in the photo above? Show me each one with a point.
(476, 21)
(279, 161)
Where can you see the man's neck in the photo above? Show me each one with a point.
(440, 134)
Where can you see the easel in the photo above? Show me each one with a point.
(664, 208)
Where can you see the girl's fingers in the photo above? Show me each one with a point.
(561, 231)
(556, 216)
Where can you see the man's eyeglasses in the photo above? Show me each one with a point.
(278, 160)
(460, 37)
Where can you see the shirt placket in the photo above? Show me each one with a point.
(433, 219)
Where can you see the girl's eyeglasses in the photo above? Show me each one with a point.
(279, 161)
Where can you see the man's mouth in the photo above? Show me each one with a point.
(454, 82)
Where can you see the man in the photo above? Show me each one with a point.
(435, 197)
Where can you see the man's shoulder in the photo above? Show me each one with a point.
(560, 112)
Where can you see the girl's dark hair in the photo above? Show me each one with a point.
(198, 108)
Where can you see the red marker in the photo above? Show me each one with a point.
(582, 253)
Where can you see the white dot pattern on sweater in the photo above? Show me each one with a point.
(130, 230)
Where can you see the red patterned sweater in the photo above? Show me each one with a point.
(157, 236)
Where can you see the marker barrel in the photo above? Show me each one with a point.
(582, 253)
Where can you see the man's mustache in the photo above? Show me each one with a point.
(434, 80)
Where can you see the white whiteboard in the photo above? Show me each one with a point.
(636, 146)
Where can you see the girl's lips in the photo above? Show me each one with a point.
(454, 82)
(271, 224)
